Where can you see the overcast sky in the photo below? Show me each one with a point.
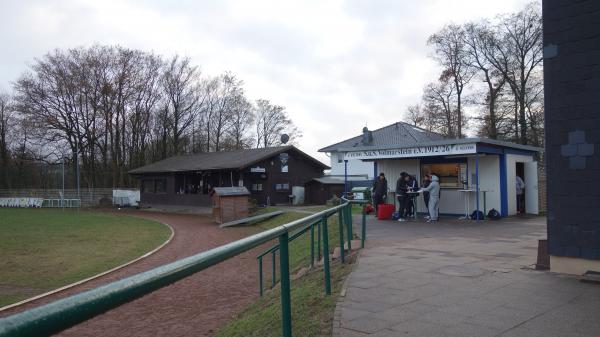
(335, 65)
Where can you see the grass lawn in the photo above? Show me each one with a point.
(44, 249)
(312, 310)
(299, 249)
(263, 317)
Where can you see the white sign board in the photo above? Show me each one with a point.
(126, 197)
(258, 169)
(412, 152)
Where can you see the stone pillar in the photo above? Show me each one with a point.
(572, 103)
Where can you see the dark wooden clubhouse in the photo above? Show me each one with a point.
(268, 173)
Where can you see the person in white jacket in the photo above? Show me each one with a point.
(434, 197)
(520, 188)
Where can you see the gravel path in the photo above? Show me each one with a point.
(196, 306)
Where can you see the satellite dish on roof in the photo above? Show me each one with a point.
(284, 138)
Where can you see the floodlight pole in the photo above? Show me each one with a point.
(77, 163)
(62, 197)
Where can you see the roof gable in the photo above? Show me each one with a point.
(393, 134)
(238, 159)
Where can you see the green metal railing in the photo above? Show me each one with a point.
(59, 315)
(345, 224)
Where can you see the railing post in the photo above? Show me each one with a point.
(326, 256)
(312, 245)
(341, 226)
(273, 267)
(363, 234)
(260, 275)
(319, 240)
(348, 210)
(284, 269)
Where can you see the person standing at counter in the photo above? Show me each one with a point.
(380, 188)
(434, 197)
(401, 188)
(426, 182)
(413, 186)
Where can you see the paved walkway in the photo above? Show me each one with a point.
(462, 279)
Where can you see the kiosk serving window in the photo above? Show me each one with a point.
(451, 175)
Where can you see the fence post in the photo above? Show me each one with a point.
(341, 226)
(312, 245)
(348, 210)
(260, 275)
(326, 256)
(273, 267)
(284, 269)
(363, 233)
(319, 240)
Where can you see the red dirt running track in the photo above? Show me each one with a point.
(196, 306)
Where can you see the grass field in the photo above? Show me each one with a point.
(44, 249)
(312, 311)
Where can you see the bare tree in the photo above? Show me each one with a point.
(440, 112)
(242, 118)
(451, 53)
(514, 48)
(227, 94)
(271, 122)
(416, 115)
(180, 82)
(475, 40)
(6, 125)
(115, 108)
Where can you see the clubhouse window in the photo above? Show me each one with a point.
(451, 174)
(160, 186)
(147, 186)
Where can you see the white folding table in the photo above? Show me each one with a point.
(467, 198)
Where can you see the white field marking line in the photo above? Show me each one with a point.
(51, 292)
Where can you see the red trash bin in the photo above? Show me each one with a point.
(385, 211)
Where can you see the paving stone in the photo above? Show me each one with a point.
(367, 324)
(368, 306)
(350, 313)
(365, 284)
(395, 315)
(499, 322)
(418, 328)
(524, 332)
(443, 318)
(470, 330)
(342, 332)
(444, 299)
(471, 307)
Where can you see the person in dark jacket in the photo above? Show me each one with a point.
(401, 189)
(380, 188)
(413, 186)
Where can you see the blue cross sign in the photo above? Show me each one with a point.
(577, 149)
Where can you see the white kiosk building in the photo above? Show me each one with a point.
(475, 173)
